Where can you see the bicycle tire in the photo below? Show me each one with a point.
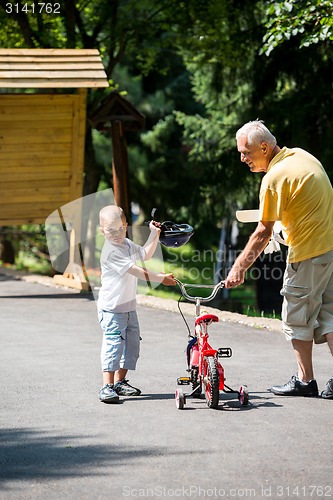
(211, 382)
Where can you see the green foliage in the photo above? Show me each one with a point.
(309, 21)
(197, 70)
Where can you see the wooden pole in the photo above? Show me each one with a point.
(120, 167)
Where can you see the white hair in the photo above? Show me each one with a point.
(256, 133)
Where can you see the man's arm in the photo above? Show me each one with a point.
(256, 244)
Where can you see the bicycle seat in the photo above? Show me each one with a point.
(206, 318)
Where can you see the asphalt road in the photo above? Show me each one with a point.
(58, 441)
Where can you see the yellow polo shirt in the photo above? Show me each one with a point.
(297, 191)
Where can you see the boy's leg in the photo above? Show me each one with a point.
(108, 378)
(119, 375)
(107, 394)
(130, 356)
(111, 352)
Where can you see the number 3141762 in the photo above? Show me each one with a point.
(38, 8)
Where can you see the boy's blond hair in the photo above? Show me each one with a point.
(110, 214)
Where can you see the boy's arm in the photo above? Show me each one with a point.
(147, 275)
(152, 241)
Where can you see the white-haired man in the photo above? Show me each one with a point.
(296, 191)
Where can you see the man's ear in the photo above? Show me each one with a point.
(101, 229)
(264, 147)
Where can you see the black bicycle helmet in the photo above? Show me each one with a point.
(175, 235)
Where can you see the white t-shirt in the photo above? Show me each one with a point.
(118, 290)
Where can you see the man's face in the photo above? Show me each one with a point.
(257, 157)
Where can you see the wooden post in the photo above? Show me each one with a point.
(120, 167)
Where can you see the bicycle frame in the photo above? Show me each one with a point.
(199, 349)
(202, 359)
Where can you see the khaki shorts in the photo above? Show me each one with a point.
(307, 309)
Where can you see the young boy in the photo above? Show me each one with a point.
(117, 300)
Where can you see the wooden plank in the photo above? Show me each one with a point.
(48, 52)
(45, 150)
(47, 68)
(50, 66)
(27, 165)
(36, 191)
(24, 183)
(22, 220)
(49, 59)
(38, 177)
(24, 83)
(33, 99)
(40, 115)
(31, 124)
(43, 209)
(72, 280)
(27, 213)
(54, 75)
(39, 162)
(48, 136)
(37, 132)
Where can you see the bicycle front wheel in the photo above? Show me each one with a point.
(211, 381)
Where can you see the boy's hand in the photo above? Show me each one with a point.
(169, 280)
(155, 227)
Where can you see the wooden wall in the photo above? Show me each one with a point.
(41, 154)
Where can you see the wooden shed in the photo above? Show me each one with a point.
(42, 135)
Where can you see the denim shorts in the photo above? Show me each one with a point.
(307, 309)
(121, 340)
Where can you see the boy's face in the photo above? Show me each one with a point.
(114, 230)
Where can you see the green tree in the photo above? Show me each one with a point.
(310, 22)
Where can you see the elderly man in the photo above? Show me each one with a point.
(296, 191)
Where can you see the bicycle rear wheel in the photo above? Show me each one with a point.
(211, 381)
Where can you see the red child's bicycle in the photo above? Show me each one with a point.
(205, 370)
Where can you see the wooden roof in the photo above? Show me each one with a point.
(116, 108)
(47, 68)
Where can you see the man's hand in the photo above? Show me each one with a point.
(256, 244)
(235, 277)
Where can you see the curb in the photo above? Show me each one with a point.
(269, 324)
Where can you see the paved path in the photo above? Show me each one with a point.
(58, 441)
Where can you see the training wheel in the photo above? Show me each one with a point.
(180, 399)
(243, 395)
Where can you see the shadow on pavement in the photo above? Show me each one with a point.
(5, 277)
(26, 454)
(228, 402)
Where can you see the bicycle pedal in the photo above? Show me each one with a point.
(183, 380)
(224, 352)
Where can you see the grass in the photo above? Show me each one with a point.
(186, 263)
(30, 263)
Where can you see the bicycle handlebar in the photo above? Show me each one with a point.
(183, 286)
